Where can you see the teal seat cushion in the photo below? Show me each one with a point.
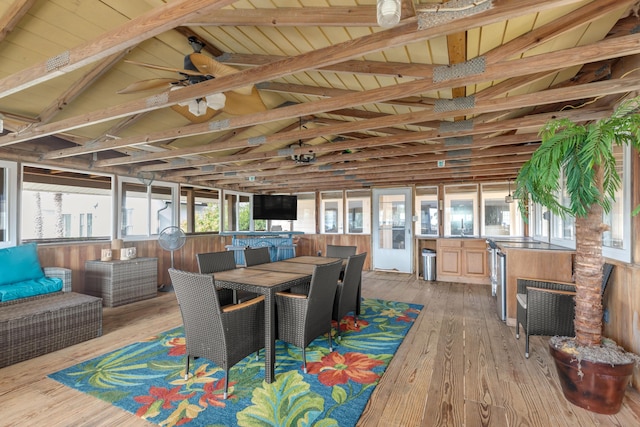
(30, 288)
(19, 263)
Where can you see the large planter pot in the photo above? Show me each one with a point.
(595, 386)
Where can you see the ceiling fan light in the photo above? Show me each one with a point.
(388, 13)
(216, 101)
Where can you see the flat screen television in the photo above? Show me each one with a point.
(276, 206)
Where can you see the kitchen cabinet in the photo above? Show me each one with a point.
(462, 260)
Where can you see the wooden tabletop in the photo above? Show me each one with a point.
(257, 277)
(309, 259)
(288, 267)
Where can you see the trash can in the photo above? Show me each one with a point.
(429, 264)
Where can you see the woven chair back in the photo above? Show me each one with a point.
(338, 251)
(346, 298)
(320, 300)
(212, 262)
(200, 310)
(256, 256)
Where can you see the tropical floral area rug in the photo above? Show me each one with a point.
(147, 378)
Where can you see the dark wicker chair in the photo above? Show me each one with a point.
(222, 335)
(256, 256)
(346, 299)
(337, 251)
(548, 308)
(303, 318)
(212, 262)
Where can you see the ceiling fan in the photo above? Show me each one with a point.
(198, 68)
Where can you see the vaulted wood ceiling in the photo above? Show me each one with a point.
(455, 92)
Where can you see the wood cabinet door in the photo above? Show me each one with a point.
(449, 261)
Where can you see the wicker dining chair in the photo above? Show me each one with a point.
(256, 256)
(346, 299)
(303, 318)
(223, 335)
(338, 251)
(548, 308)
(213, 262)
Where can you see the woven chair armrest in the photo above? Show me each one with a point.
(560, 282)
(524, 283)
(551, 291)
(291, 295)
(234, 307)
(61, 273)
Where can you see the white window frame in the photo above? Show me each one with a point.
(624, 254)
(448, 197)
(366, 210)
(175, 203)
(10, 203)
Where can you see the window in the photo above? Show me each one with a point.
(236, 212)
(460, 210)
(563, 227)
(614, 245)
(306, 221)
(8, 211)
(359, 212)
(427, 211)
(331, 212)
(56, 204)
(539, 222)
(199, 210)
(146, 209)
(500, 218)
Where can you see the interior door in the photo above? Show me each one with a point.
(392, 229)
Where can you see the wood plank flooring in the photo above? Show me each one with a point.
(458, 366)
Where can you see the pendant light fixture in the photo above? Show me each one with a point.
(388, 13)
(509, 198)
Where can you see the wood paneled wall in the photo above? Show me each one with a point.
(622, 302)
(73, 256)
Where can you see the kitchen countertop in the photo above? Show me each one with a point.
(529, 244)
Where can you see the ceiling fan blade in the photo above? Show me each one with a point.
(210, 66)
(162, 67)
(145, 85)
(184, 111)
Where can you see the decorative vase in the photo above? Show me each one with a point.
(596, 386)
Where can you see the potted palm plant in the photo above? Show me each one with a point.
(582, 155)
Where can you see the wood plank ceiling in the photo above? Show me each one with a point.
(455, 92)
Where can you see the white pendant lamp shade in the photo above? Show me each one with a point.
(388, 13)
(216, 101)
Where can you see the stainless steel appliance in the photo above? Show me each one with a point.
(492, 260)
(497, 261)
(501, 285)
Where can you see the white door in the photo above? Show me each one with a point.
(392, 229)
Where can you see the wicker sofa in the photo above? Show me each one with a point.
(36, 325)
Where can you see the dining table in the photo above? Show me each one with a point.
(265, 283)
(306, 265)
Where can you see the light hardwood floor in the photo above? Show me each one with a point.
(458, 366)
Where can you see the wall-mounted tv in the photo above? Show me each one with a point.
(276, 206)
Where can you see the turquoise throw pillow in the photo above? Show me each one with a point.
(19, 263)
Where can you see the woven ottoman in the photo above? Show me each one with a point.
(38, 325)
(121, 282)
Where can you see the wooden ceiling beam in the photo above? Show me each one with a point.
(11, 18)
(152, 23)
(607, 49)
(334, 16)
(399, 35)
